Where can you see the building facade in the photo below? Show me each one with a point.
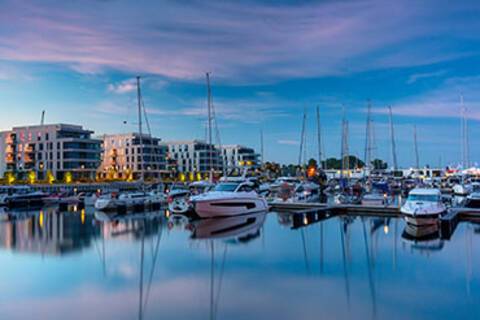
(122, 156)
(193, 156)
(54, 150)
(235, 156)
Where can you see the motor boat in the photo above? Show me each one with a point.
(423, 206)
(22, 197)
(378, 195)
(88, 199)
(307, 192)
(199, 187)
(229, 199)
(462, 189)
(281, 182)
(54, 198)
(472, 201)
(127, 200)
(178, 199)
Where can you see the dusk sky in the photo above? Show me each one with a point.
(268, 61)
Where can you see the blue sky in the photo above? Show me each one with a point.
(268, 61)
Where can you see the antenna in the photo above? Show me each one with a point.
(42, 119)
(392, 137)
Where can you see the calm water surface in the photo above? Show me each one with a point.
(74, 266)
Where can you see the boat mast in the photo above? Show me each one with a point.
(417, 161)
(209, 128)
(302, 139)
(464, 134)
(319, 139)
(392, 138)
(261, 146)
(139, 102)
(344, 154)
(368, 141)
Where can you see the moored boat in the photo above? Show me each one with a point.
(423, 207)
(229, 199)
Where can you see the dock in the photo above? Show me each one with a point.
(339, 209)
(304, 214)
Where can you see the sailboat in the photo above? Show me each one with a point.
(228, 198)
(139, 199)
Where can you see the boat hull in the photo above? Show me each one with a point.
(422, 220)
(213, 208)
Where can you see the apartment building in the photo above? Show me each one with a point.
(235, 156)
(194, 156)
(55, 148)
(122, 156)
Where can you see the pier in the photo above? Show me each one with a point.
(304, 214)
(341, 209)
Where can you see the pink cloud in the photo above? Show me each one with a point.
(233, 40)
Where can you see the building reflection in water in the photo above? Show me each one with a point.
(357, 254)
(47, 231)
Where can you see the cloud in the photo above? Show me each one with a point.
(418, 76)
(125, 86)
(242, 42)
(288, 142)
(443, 102)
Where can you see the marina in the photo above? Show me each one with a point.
(239, 160)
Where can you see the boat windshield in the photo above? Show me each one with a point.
(226, 187)
(424, 197)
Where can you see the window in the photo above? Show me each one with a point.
(246, 188)
(226, 187)
(424, 197)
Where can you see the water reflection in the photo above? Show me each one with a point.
(308, 265)
(46, 232)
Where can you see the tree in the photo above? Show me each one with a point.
(312, 163)
(379, 164)
(336, 164)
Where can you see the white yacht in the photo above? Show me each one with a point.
(229, 199)
(21, 196)
(461, 189)
(127, 200)
(178, 199)
(423, 206)
(307, 191)
(473, 199)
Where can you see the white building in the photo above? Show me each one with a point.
(194, 156)
(122, 156)
(235, 156)
(55, 148)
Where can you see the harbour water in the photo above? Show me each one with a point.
(73, 265)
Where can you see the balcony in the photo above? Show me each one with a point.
(10, 140)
